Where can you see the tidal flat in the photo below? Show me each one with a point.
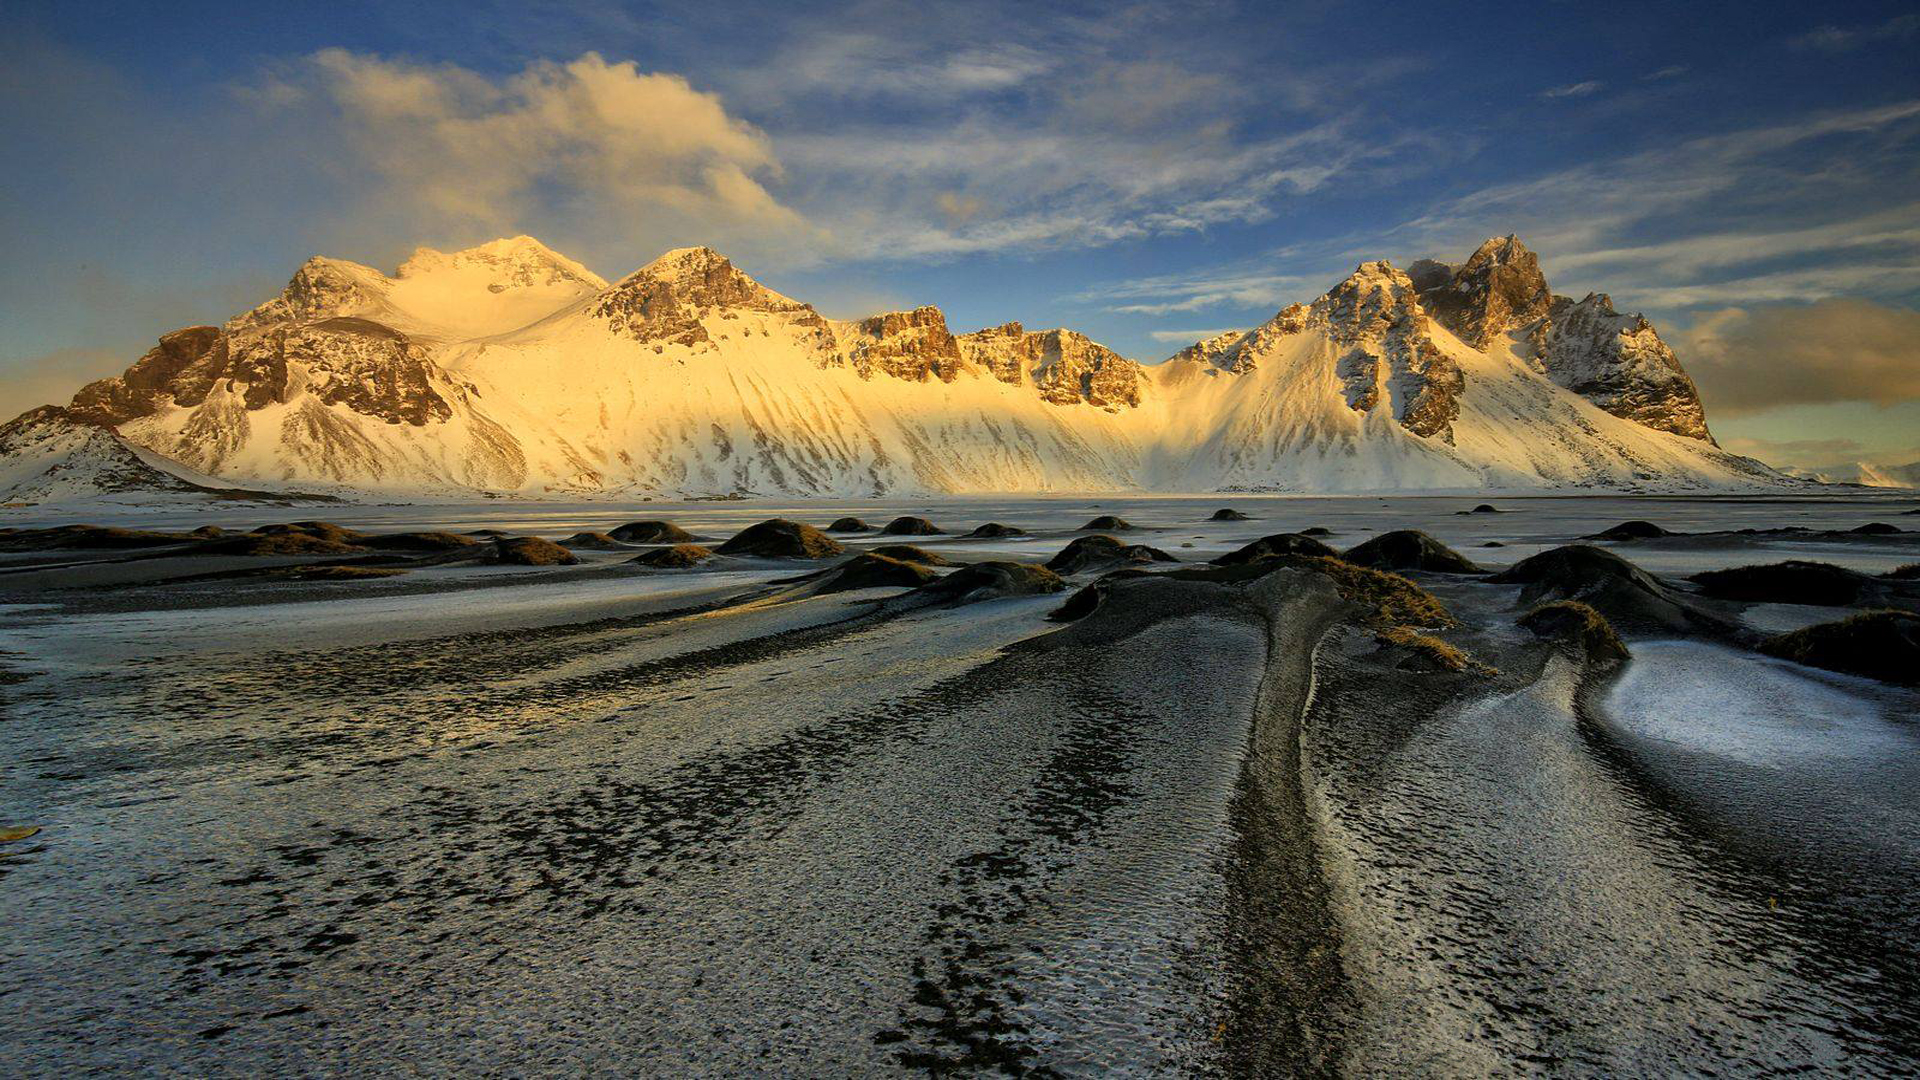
(392, 809)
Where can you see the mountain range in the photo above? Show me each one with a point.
(509, 368)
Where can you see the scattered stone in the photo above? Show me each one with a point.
(874, 571)
(677, 557)
(1107, 523)
(911, 526)
(849, 525)
(1882, 645)
(1410, 549)
(1632, 530)
(993, 530)
(1089, 552)
(782, 539)
(909, 553)
(531, 551)
(1571, 620)
(648, 532)
(1277, 544)
(1228, 514)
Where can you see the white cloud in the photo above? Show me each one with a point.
(1752, 360)
(602, 145)
(1579, 89)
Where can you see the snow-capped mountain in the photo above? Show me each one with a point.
(508, 367)
(1866, 474)
(49, 455)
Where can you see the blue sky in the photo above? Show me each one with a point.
(1746, 174)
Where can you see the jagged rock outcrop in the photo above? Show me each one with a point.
(182, 365)
(1615, 361)
(1498, 289)
(1619, 363)
(1067, 368)
(1389, 353)
(911, 345)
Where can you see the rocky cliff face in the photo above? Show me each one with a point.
(1616, 361)
(1065, 367)
(1388, 351)
(1619, 363)
(912, 345)
(1498, 289)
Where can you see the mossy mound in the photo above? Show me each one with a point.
(1090, 552)
(278, 543)
(1486, 508)
(592, 541)
(209, 532)
(88, 537)
(1876, 528)
(1882, 645)
(909, 553)
(1627, 595)
(531, 551)
(677, 557)
(417, 541)
(993, 580)
(1632, 530)
(1107, 523)
(648, 532)
(1571, 620)
(993, 530)
(325, 530)
(849, 525)
(1317, 530)
(873, 571)
(1410, 549)
(1909, 572)
(1228, 514)
(911, 526)
(1386, 598)
(1795, 581)
(779, 538)
(1277, 544)
(1424, 652)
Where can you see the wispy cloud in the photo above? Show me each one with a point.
(1672, 71)
(1188, 337)
(1579, 89)
(1834, 39)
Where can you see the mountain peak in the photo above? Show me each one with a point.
(1498, 289)
(512, 261)
(664, 299)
